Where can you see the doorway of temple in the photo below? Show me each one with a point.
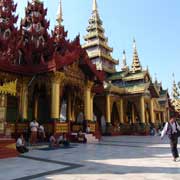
(41, 104)
(99, 115)
(12, 109)
(72, 107)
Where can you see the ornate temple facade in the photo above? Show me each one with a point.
(66, 86)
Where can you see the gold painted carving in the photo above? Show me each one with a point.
(9, 88)
(73, 71)
(57, 77)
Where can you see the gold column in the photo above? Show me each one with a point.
(87, 101)
(164, 116)
(152, 110)
(92, 110)
(3, 105)
(73, 114)
(24, 100)
(55, 94)
(36, 108)
(69, 107)
(168, 115)
(133, 117)
(160, 120)
(108, 109)
(121, 111)
(142, 109)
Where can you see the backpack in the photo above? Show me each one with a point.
(169, 131)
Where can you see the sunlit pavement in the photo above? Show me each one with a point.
(114, 158)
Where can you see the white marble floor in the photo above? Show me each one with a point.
(123, 157)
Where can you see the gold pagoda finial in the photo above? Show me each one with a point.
(134, 44)
(124, 64)
(124, 57)
(136, 65)
(173, 77)
(175, 92)
(59, 14)
(155, 75)
(95, 7)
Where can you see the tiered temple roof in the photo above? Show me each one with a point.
(8, 31)
(32, 50)
(97, 44)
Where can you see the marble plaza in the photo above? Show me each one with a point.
(124, 157)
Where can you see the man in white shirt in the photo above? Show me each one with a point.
(34, 128)
(20, 145)
(171, 128)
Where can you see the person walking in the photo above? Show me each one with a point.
(171, 128)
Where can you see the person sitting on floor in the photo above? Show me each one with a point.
(52, 141)
(81, 137)
(88, 129)
(62, 140)
(20, 145)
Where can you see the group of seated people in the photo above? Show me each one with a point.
(62, 140)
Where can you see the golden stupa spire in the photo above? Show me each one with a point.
(95, 7)
(136, 65)
(124, 64)
(59, 14)
(175, 92)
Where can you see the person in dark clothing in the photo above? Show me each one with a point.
(63, 140)
(171, 128)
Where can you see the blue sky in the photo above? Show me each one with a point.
(154, 24)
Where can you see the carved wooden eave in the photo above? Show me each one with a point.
(7, 66)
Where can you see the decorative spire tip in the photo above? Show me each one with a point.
(95, 7)
(59, 14)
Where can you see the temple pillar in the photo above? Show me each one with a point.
(69, 108)
(36, 108)
(168, 114)
(88, 101)
(73, 113)
(23, 104)
(152, 110)
(56, 80)
(108, 109)
(164, 116)
(92, 110)
(133, 115)
(3, 105)
(142, 109)
(159, 114)
(121, 111)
